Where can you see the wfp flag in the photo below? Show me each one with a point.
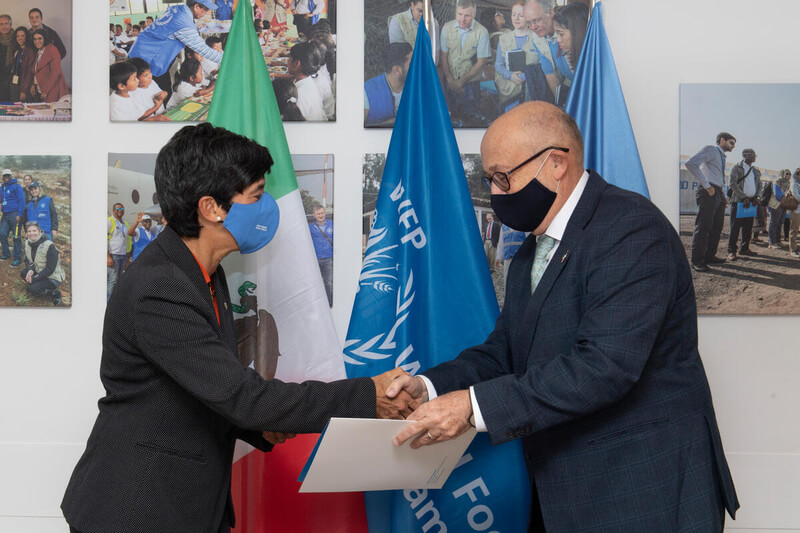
(425, 294)
(283, 322)
(596, 103)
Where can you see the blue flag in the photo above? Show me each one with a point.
(596, 103)
(424, 295)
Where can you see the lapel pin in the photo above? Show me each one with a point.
(564, 257)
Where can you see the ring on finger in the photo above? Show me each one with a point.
(430, 436)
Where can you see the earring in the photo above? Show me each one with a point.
(219, 218)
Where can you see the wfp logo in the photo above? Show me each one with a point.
(261, 227)
(380, 276)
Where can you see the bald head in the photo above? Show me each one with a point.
(525, 131)
(534, 125)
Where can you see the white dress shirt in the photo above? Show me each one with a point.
(555, 230)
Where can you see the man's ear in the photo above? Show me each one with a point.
(560, 164)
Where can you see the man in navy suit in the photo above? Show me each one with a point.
(593, 361)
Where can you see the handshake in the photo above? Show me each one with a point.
(398, 394)
(401, 395)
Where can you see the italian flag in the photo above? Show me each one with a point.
(284, 280)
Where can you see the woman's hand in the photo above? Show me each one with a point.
(274, 437)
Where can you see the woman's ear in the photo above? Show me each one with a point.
(209, 210)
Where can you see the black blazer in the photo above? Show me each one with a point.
(598, 372)
(159, 456)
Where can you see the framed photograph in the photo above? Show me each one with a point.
(164, 57)
(35, 60)
(737, 175)
(491, 55)
(133, 211)
(500, 242)
(315, 180)
(36, 231)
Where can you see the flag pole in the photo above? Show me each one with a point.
(428, 15)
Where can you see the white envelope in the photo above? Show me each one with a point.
(357, 454)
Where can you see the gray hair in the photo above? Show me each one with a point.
(466, 4)
(547, 5)
(5, 16)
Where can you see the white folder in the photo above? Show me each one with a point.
(357, 454)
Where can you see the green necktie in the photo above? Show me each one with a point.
(544, 244)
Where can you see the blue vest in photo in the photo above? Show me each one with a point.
(381, 102)
(142, 242)
(40, 212)
(154, 44)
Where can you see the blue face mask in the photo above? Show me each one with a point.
(253, 225)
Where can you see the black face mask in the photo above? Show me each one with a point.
(525, 209)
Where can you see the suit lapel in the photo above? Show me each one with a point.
(225, 313)
(570, 242)
(177, 251)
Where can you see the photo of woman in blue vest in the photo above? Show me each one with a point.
(42, 209)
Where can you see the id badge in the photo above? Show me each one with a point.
(15, 80)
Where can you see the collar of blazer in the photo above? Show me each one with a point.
(571, 240)
(180, 255)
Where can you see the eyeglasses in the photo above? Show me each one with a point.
(501, 178)
(537, 21)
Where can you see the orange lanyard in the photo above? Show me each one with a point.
(211, 287)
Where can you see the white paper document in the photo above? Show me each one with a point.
(357, 454)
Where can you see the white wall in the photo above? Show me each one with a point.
(55, 14)
(49, 358)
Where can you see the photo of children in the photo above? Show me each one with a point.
(35, 231)
(163, 63)
(491, 55)
(35, 60)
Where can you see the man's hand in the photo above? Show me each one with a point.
(413, 385)
(273, 437)
(29, 277)
(443, 418)
(55, 234)
(110, 261)
(516, 79)
(396, 407)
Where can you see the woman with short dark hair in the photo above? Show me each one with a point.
(177, 397)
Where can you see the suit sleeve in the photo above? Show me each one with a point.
(483, 362)
(255, 439)
(58, 43)
(693, 166)
(174, 330)
(737, 173)
(628, 286)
